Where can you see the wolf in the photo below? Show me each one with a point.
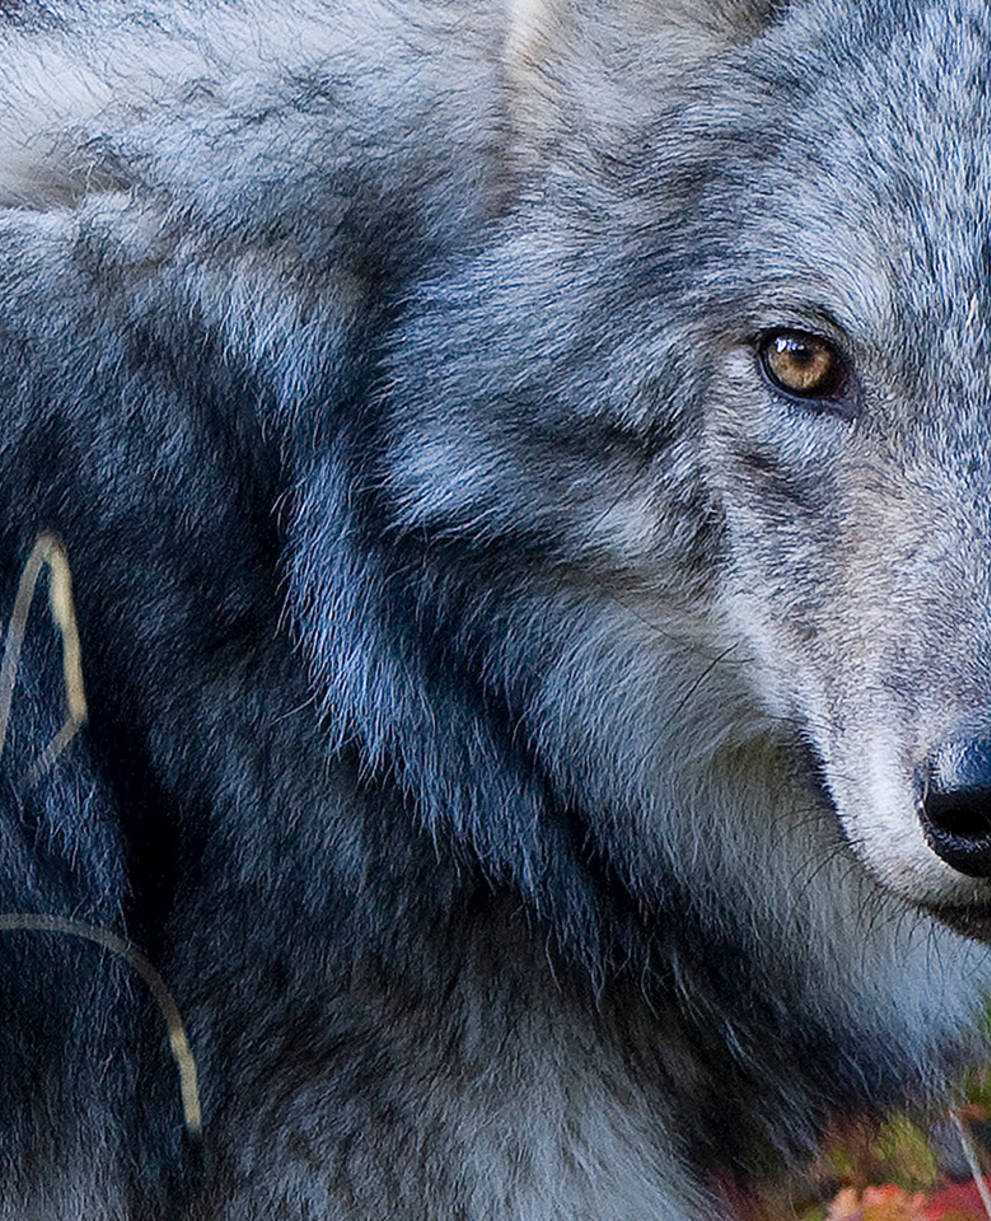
(524, 469)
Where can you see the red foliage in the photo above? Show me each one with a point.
(887, 1203)
(955, 1202)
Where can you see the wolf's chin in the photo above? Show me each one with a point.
(973, 922)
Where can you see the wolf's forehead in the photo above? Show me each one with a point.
(909, 109)
(877, 198)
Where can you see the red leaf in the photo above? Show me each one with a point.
(957, 1202)
(887, 1203)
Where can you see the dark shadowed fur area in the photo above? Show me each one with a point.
(524, 470)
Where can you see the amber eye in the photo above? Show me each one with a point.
(802, 365)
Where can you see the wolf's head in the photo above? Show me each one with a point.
(721, 370)
(809, 221)
(670, 536)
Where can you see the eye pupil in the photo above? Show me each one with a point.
(801, 364)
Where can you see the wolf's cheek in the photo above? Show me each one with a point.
(875, 743)
(866, 639)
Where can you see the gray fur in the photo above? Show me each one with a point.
(555, 854)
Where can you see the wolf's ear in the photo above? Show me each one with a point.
(588, 55)
(537, 28)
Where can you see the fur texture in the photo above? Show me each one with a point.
(505, 705)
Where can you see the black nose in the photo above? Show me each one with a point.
(955, 810)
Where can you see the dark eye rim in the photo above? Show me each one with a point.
(838, 398)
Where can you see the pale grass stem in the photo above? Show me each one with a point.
(50, 551)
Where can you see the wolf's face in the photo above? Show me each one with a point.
(848, 422)
(727, 378)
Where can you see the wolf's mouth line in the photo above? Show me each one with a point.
(973, 922)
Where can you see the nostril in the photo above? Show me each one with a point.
(964, 815)
(955, 810)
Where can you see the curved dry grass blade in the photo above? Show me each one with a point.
(178, 1041)
(48, 550)
(970, 1153)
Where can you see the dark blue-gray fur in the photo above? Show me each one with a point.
(404, 497)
